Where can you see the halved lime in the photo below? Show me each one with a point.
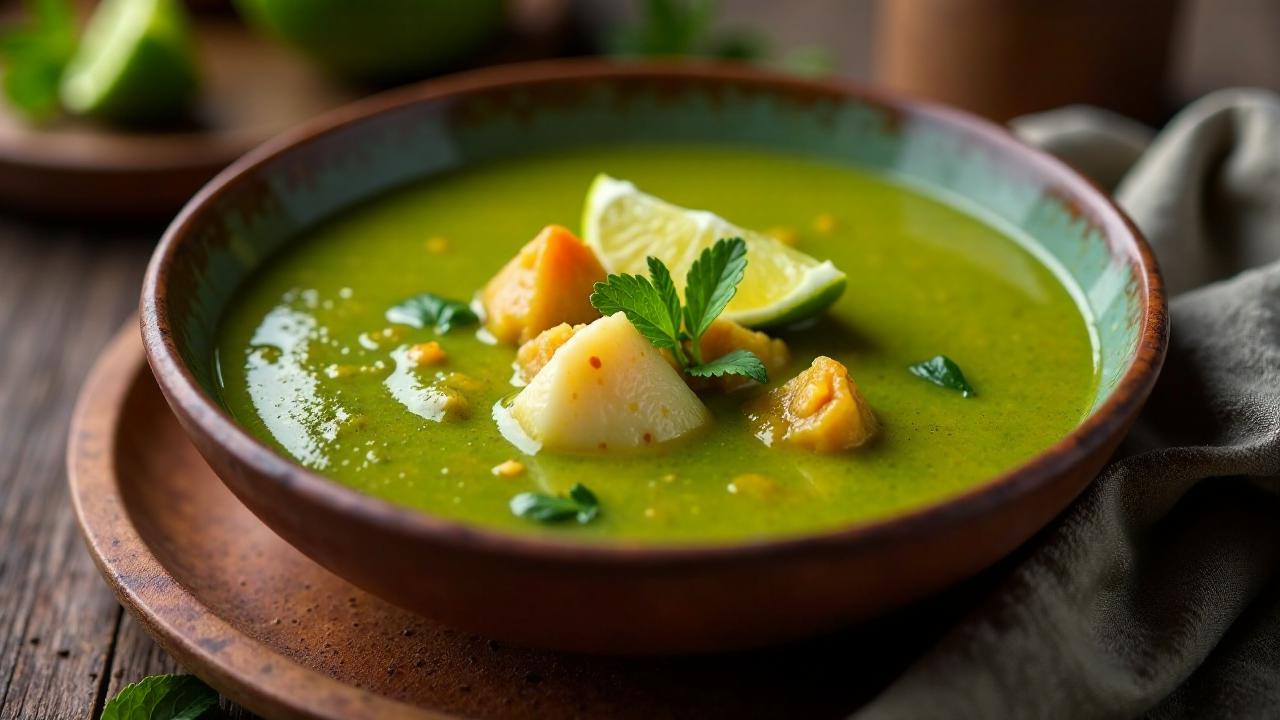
(781, 285)
(136, 63)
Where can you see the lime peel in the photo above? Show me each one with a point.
(781, 286)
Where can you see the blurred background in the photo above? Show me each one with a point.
(123, 108)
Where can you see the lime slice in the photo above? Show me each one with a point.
(136, 63)
(781, 286)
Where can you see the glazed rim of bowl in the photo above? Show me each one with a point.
(1112, 417)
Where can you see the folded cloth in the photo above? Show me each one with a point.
(1157, 593)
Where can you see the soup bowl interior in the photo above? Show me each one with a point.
(625, 597)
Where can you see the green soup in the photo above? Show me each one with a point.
(304, 362)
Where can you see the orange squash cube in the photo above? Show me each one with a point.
(547, 283)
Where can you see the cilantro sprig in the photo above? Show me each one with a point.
(653, 306)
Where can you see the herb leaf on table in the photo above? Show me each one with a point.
(161, 697)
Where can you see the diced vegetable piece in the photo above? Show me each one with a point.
(754, 486)
(547, 283)
(607, 388)
(508, 468)
(535, 354)
(819, 409)
(427, 353)
(726, 336)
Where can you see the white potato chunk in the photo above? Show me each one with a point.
(607, 388)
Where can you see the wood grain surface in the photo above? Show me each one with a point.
(65, 644)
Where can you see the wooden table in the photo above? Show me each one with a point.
(65, 644)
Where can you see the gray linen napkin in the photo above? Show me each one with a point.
(1158, 592)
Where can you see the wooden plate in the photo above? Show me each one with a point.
(275, 632)
(252, 90)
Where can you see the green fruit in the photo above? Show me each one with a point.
(781, 285)
(136, 63)
(380, 40)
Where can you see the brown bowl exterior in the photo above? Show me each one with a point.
(631, 598)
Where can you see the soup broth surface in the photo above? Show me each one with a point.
(305, 363)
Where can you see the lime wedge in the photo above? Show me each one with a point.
(136, 63)
(781, 286)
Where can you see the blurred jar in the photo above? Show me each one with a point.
(1003, 58)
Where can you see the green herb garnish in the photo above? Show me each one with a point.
(943, 371)
(35, 54)
(667, 27)
(675, 28)
(581, 504)
(653, 307)
(161, 697)
(429, 310)
(738, 362)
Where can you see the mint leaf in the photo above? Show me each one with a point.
(430, 310)
(161, 697)
(34, 56)
(644, 306)
(738, 362)
(581, 504)
(944, 372)
(710, 285)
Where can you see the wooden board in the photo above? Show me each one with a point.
(275, 632)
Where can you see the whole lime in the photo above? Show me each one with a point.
(380, 40)
(135, 65)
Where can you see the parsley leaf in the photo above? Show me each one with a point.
(161, 697)
(944, 372)
(645, 306)
(738, 362)
(581, 504)
(430, 310)
(34, 56)
(666, 289)
(653, 307)
(710, 285)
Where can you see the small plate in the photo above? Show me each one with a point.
(277, 633)
(252, 90)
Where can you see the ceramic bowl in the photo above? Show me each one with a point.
(629, 598)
